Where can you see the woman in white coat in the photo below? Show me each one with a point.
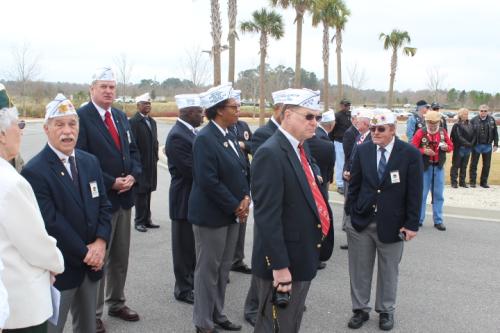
(29, 255)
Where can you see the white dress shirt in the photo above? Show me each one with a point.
(388, 150)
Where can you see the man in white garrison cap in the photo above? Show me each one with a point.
(145, 133)
(179, 150)
(68, 184)
(105, 132)
(293, 221)
(384, 197)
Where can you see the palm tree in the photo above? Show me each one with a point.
(232, 35)
(395, 40)
(216, 33)
(329, 13)
(339, 21)
(268, 24)
(301, 6)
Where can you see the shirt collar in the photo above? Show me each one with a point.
(319, 126)
(389, 147)
(224, 132)
(63, 157)
(293, 141)
(275, 122)
(101, 111)
(185, 123)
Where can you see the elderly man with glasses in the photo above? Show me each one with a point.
(486, 133)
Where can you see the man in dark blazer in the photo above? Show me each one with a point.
(385, 193)
(105, 132)
(293, 221)
(146, 137)
(263, 133)
(323, 150)
(70, 191)
(179, 150)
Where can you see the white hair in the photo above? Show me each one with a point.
(7, 117)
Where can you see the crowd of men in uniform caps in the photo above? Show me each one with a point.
(68, 217)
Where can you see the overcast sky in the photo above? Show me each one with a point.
(459, 38)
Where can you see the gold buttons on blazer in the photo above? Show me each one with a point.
(319, 226)
(378, 191)
(268, 261)
(318, 246)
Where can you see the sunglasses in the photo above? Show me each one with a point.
(483, 110)
(380, 129)
(21, 124)
(309, 116)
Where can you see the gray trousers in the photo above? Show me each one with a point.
(290, 318)
(346, 217)
(82, 302)
(214, 255)
(239, 252)
(115, 263)
(252, 300)
(363, 247)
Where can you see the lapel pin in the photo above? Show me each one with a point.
(225, 144)
(62, 173)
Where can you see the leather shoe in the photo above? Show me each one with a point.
(340, 190)
(463, 185)
(202, 330)
(440, 227)
(99, 326)
(186, 298)
(151, 225)
(454, 185)
(386, 321)
(473, 185)
(485, 186)
(141, 228)
(344, 247)
(251, 320)
(358, 318)
(124, 313)
(228, 325)
(243, 268)
(321, 265)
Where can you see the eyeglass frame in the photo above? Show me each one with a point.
(308, 116)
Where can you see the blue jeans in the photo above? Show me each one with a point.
(339, 163)
(437, 206)
(482, 148)
(464, 151)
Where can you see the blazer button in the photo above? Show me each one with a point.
(319, 226)
(378, 191)
(318, 246)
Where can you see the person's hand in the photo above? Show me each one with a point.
(320, 179)
(495, 149)
(242, 145)
(409, 233)
(95, 254)
(347, 175)
(52, 278)
(242, 210)
(119, 184)
(429, 152)
(282, 276)
(443, 147)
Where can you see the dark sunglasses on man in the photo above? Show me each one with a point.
(380, 129)
(21, 124)
(310, 116)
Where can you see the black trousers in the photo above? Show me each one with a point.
(143, 208)
(459, 167)
(184, 256)
(485, 172)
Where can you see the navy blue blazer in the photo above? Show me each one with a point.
(94, 138)
(287, 226)
(179, 149)
(393, 203)
(73, 219)
(261, 135)
(220, 179)
(323, 151)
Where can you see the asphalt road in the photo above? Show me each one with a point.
(449, 281)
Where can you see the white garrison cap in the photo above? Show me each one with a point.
(143, 98)
(104, 74)
(216, 94)
(301, 97)
(188, 100)
(382, 117)
(365, 113)
(236, 94)
(328, 116)
(59, 107)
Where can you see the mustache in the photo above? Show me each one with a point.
(67, 137)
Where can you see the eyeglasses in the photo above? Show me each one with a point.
(232, 106)
(309, 116)
(21, 124)
(380, 129)
(483, 110)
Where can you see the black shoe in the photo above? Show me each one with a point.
(454, 185)
(463, 185)
(229, 326)
(358, 318)
(243, 268)
(251, 320)
(321, 265)
(340, 190)
(440, 227)
(141, 228)
(202, 330)
(473, 185)
(152, 226)
(186, 298)
(344, 247)
(485, 186)
(386, 321)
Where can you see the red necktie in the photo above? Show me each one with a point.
(112, 129)
(318, 198)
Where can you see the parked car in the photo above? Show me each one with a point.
(496, 116)
(472, 114)
(449, 114)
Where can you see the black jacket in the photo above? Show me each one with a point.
(485, 130)
(261, 135)
(342, 123)
(323, 151)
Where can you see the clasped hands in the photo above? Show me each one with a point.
(243, 209)
(123, 184)
(95, 254)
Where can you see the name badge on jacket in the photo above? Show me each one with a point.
(94, 190)
(395, 177)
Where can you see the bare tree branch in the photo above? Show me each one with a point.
(196, 66)
(124, 67)
(435, 82)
